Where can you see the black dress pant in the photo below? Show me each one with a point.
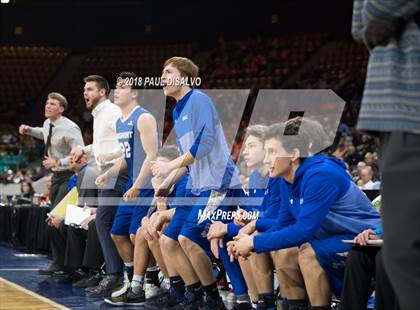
(108, 200)
(358, 278)
(83, 248)
(365, 273)
(58, 239)
(58, 189)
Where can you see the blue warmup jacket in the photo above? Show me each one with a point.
(322, 202)
(199, 131)
(268, 210)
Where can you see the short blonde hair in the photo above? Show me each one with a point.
(60, 98)
(186, 66)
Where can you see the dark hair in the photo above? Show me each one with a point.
(317, 134)
(131, 78)
(100, 81)
(275, 131)
(311, 139)
(31, 189)
(169, 151)
(299, 137)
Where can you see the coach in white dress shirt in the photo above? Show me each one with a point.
(105, 148)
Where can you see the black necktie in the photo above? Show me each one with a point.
(47, 146)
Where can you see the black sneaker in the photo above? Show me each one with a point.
(172, 302)
(167, 300)
(88, 281)
(61, 274)
(68, 277)
(91, 288)
(50, 270)
(104, 289)
(128, 298)
(242, 306)
(261, 305)
(65, 278)
(213, 304)
(190, 302)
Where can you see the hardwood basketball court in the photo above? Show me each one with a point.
(13, 296)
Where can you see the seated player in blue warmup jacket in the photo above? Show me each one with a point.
(147, 242)
(213, 177)
(257, 269)
(138, 137)
(253, 155)
(319, 206)
(259, 198)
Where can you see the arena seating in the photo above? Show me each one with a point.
(25, 71)
(145, 60)
(257, 62)
(262, 62)
(343, 62)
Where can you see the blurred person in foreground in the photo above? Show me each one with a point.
(391, 109)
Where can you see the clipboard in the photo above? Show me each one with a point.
(375, 243)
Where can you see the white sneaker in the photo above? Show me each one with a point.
(121, 290)
(152, 291)
(165, 285)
